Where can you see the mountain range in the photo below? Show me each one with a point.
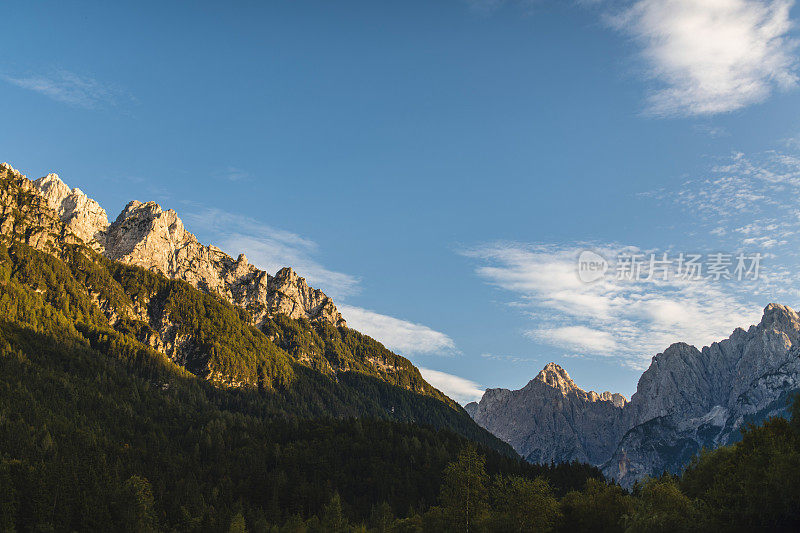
(688, 399)
(146, 281)
(151, 383)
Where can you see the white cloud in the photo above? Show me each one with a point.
(269, 248)
(745, 203)
(401, 336)
(748, 202)
(460, 389)
(580, 338)
(751, 200)
(712, 56)
(67, 87)
(630, 320)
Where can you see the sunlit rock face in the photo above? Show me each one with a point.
(687, 399)
(82, 215)
(147, 236)
(552, 419)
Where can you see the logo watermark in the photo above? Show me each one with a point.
(662, 267)
(591, 266)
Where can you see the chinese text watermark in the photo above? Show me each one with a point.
(665, 267)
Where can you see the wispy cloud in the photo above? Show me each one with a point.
(269, 248)
(67, 87)
(460, 389)
(631, 320)
(577, 338)
(401, 336)
(741, 203)
(711, 56)
(235, 174)
(513, 359)
(748, 199)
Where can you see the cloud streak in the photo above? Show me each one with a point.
(67, 87)
(401, 336)
(711, 56)
(460, 389)
(630, 320)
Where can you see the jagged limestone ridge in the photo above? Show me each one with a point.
(687, 399)
(145, 235)
(150, 312)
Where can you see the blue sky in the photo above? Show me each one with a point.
(438, 167)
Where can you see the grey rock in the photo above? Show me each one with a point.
(552, 419)
(686, 400)
(147, 236)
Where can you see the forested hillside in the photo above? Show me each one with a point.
(288, 367)
(101, 432)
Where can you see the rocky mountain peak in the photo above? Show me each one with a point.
(146, 235)
(9, 169)
(287, 274)
(555, 376)
(552, 419)
(145, 211)
(780, 317)
(687, 399)
(82, 215)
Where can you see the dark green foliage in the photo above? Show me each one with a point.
(753, 484)
(83, 436)
(599, 507)
(660, 506)
(331, 347)
(223, 344)
(464, 494)
(521, 504)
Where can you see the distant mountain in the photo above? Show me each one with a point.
(686, 400)
(552, 419)
(146, 283)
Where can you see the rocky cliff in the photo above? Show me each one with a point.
(147, 236)
(687, 399)
(552, 419)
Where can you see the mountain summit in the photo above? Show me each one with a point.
(552, 419)
(556, 377)
(146, 235)
(686, 400)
